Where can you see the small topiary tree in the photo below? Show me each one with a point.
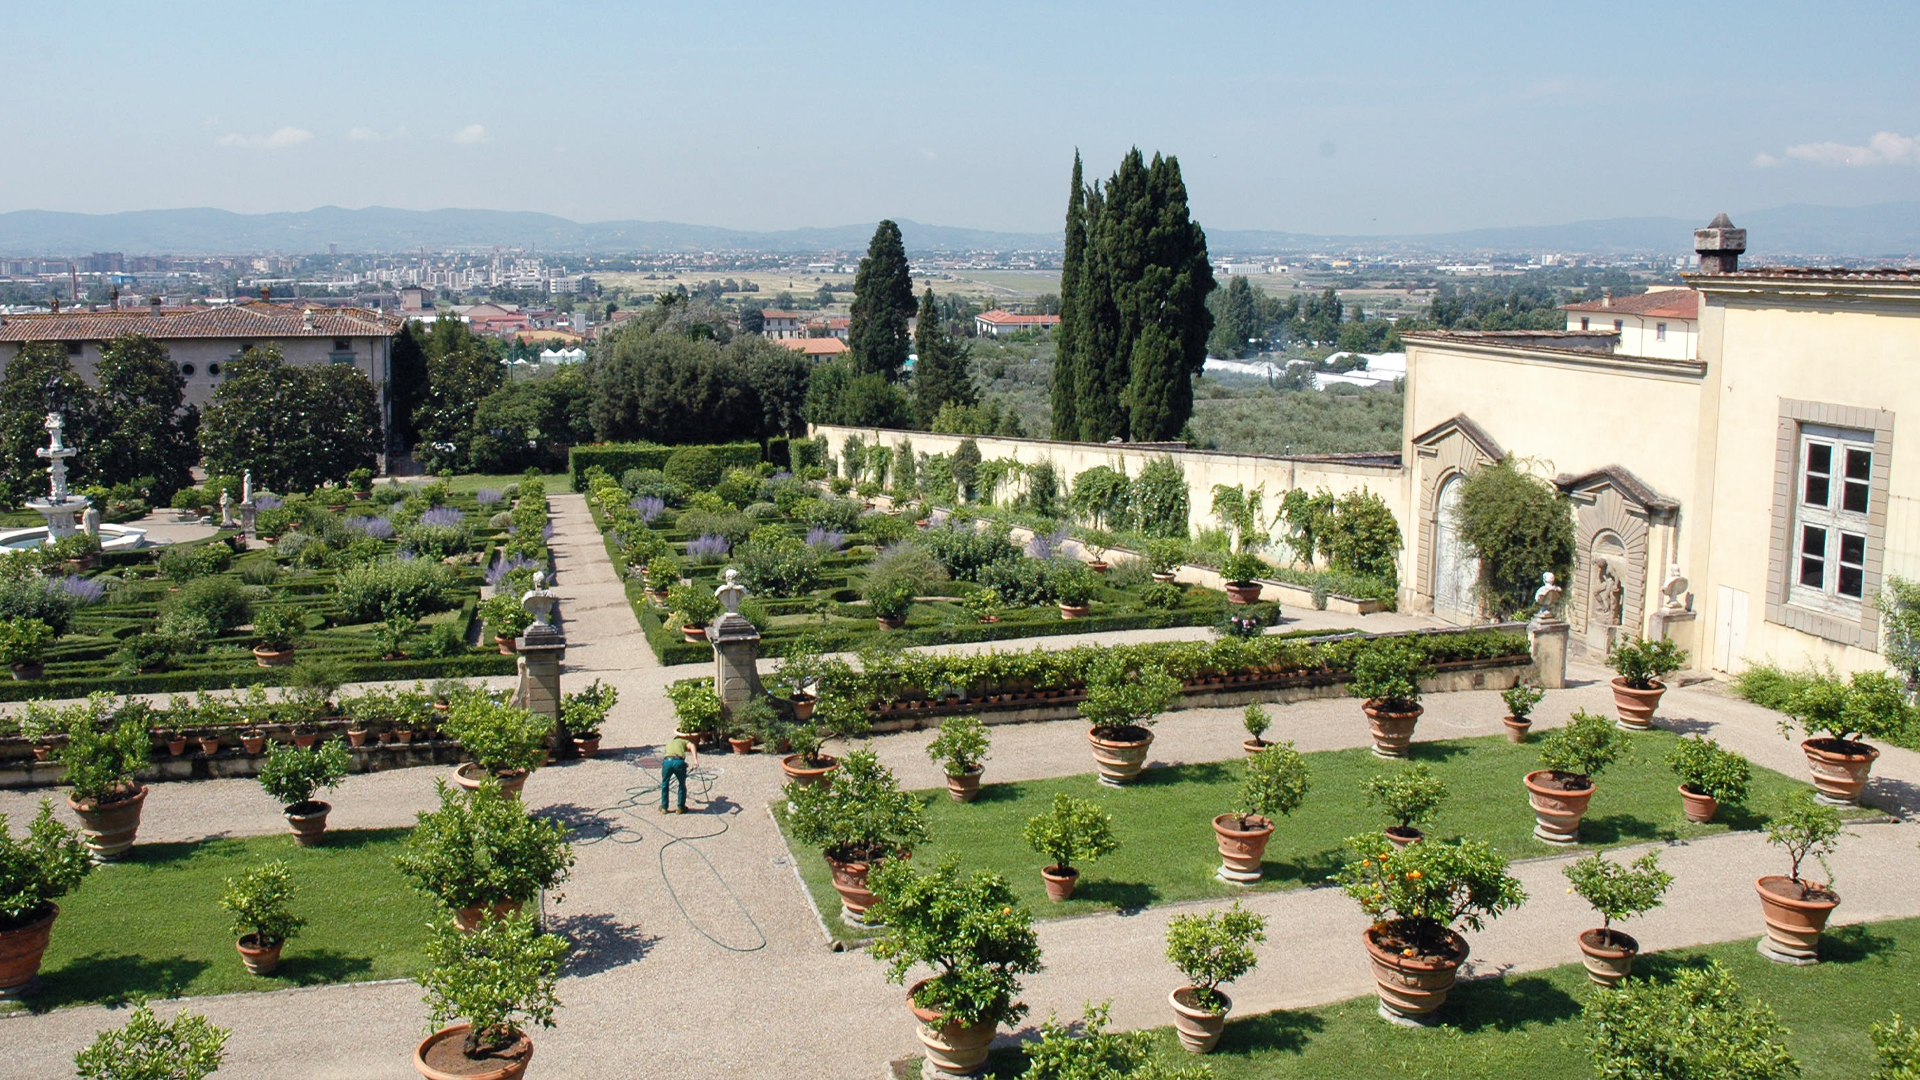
(1071, 830)
(1619, 892)
(187, 1047)
(961, 746)
(260, 902)
(1214, 949)
(1276, 784)
(498, 977)
(1705, 769)
(1256, 722)
(970, 929)
(860, 815)
(1698, 1026)
(293, 776)
(1583, 748)
(1521, 698)
(1643, 662)
(1410, 797)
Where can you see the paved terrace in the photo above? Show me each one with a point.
(663, 978)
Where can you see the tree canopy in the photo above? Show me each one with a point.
(882, 304)
(668, 387)
(942, 371)
(295, 427)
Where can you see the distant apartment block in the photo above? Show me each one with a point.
(779, 324)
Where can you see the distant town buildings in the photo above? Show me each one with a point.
(816, 348)
(997, 322)
(1663, 322)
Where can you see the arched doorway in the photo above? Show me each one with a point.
(1455, 570)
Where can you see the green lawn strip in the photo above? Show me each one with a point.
(151, 924)
(1167, 850)
(1528, 1027)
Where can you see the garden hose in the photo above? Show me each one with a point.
(625, 830)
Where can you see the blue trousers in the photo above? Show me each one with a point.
(672, 769)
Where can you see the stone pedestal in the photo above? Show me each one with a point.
(1549, 637)
(541, 649)
(736, 647)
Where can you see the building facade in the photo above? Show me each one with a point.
(1661, 322)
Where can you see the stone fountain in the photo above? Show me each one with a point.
(66, 513)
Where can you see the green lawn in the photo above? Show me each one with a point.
(1167, 850)
(1528, 1027)
(152, 924)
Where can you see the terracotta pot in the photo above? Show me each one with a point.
(510, 1064)
(1241, 849)
(966, 786)
(469, 776)
(356, 737)
(803, 706)
(1635, 707)
(1698, 808)
(850, 881)
(1608, 955)
(740, 746)
(1243, 592)
(110, 827)
(952, 1049)
(386, 738)
(1403, 836)
(1517, 728)
(1556, 813)
(272, 657)
(21, 950)
(1059, 883)
(891, 622)
(305, 742)
(309, 821)
(210, 746)
(1198, 1028)
(253, 744)
(1794, 922)
(258, 961)
(177, 747)
(469, 918)
(1074, 611)
(588, 747)
(800, 774)
(1412, 988)
(42, 753)
(1392, 732)
(1840, 769)
(404, 735)
(691, 633)
(1119, 761)
(1099, 566)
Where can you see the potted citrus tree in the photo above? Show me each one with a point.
(276, 630)
(494, 980)
(858, 819)
(584, 711)
(505, 741)
(1073, 586)
(1409, 797)
(1571, 756)
(697, 709)
(1708, 776)
(1618, 893)
(1070, 831)
(187, 1047)
(1835, 716)
(1210, 950)
(1520, 698)
(23, 646)
(978, 939)
(1275, 785)
(1698, 1024)
(961, 751)
(1639, 664)
(891, 598)
(506, 620)
(482, 854)
(1120, 704)
(102, 755)
(1420, 898)
(1239, 572)
(1256, 721)
(35, 870)
(259, 901)
(293, 776)
(1386, 677)
(1797, 907)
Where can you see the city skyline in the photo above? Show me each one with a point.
(1283, 119)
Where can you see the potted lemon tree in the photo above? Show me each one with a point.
(1120, 704)
(858, 819)
(1796, 906)
(1409, 797)
(1708, 776)
(1071, 830)
(1521, 698)
(293, 777)
(961, 751)
(1572, 757)
(1639, 664)
(978, 939)
(482, 854)
(495, 981)
(103, 754)
(35, 870)
(1210, 950)
(506, 742)
(259, 901)
(1275, 785)
(1386, 677)
(187, 1047)
(1618, 893)
(1835, 716)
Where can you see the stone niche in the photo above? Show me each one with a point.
(1620, 524)
(1443, 571)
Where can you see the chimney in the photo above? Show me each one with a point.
(1719, 246)
(115, 296)
(55, 301)
(1606, 297)
(266, 292)
(153, 305)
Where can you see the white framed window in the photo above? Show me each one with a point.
(1659, 331)
(1832, 498)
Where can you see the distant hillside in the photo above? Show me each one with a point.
(1889, 231)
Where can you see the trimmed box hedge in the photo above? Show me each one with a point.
(617, 458)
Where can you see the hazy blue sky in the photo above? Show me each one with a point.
(1324, 117)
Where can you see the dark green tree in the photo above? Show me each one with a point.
(407, 382)
(296, 427)
(1236, 318)
(530, 422)
(882, 304)
(1160, 398)
(1066, 358)
(841, 393)
(462, 369)
(146, 428)
(942, 373)
(40, 381)
(1519, 527)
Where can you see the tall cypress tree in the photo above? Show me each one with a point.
(1067, 356)
(882, 304)
(1115, 256)
(1173, 296)
(941, 372)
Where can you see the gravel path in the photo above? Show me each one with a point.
(661, 980)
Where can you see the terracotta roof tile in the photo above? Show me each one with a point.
(1666, 303)
(252, 320)
(997, 317)
(816, 346)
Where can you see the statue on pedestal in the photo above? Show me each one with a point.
(1546, 597)
(539, 602)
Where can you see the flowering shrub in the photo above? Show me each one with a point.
(487, 497)
(707, 548)
(83, 590)
(826, 539)
(380, 528)
(648, 507)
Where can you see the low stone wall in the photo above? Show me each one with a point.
(193, 765)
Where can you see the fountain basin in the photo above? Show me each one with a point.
(112, 538)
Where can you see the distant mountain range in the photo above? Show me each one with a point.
(1889, 230)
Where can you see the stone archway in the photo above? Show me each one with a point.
(1445, 454)
(1613, 516)
(1455, 570)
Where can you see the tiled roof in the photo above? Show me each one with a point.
(252, 320)
(997, 317)
(1823, 273)
(816, 346)
(1664, 304)
(776, 313)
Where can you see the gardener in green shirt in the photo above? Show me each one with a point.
(673, 766)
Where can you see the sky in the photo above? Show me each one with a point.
(1354, 117)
